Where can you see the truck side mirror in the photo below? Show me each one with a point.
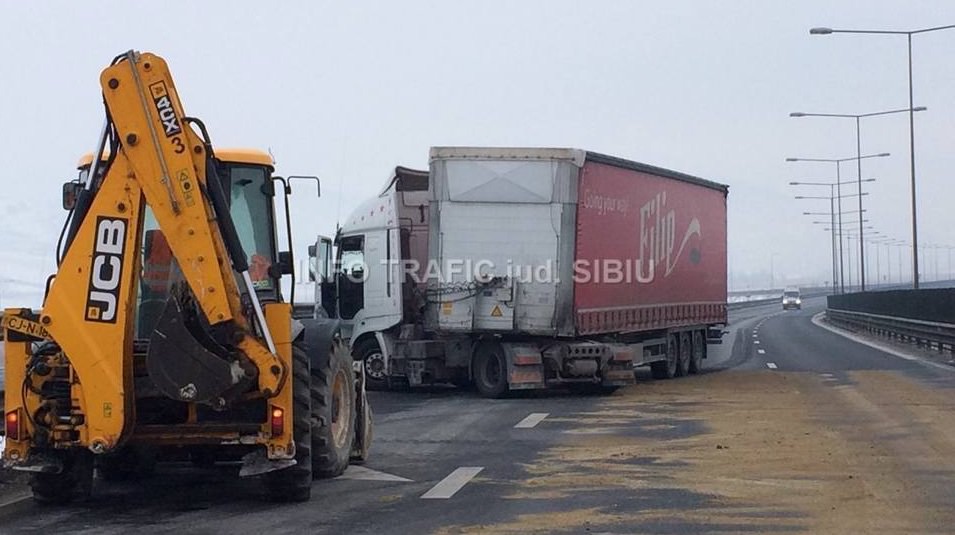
(318, 183)
(71, 191)
(285, 263)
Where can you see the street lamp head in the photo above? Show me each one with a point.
(795, 183)
(882, 154)
(797, 114)
(867, 180)
(820, 31)
(792, 159)
(919, 108)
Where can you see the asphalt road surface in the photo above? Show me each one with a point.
(792, 428)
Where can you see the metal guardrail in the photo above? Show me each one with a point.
(928, 334)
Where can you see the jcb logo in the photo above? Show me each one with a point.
(106, 270)
(167, 114)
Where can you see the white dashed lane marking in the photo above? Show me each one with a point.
(771, 365)
(450, 485)
(532, 420)
(761, 351)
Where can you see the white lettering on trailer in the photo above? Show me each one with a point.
(658, 238)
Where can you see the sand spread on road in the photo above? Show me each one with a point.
(761, 451)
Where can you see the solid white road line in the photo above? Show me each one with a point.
(771, 365)
(532, 420)
(817, 320)
(448, 486)
(367, 474)
(761, 351)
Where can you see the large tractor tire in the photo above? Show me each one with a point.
(489, 370)
(333, 412)
(294, 484)
(698, 351)
(73, 483)
(666, 369)
(376, 372)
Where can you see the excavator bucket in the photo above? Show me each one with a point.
(181, 367)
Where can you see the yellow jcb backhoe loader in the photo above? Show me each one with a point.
(164, 333)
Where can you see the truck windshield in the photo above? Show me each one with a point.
(791, 294)
(251, 210)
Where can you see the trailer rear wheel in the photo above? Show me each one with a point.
(74, 482)
(294, 484)
(698, 350)
(334, 407)
(666, 369)
(490, 370)
(683, 362)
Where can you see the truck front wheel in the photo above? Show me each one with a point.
(489, 370)
(376, 369)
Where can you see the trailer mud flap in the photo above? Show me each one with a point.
(618, 370)
(180, 366)
(525, 367)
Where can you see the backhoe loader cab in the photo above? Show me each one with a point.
(164, 332)
(246, 175)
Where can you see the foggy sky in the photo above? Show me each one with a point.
(348, 90)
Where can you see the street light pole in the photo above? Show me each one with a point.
(849, 254)
(839, 182)
(915, 226)
(859, 177)
(858, 120)
(908, 34)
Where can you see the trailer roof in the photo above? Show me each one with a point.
(577, 156)
(654, 170)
